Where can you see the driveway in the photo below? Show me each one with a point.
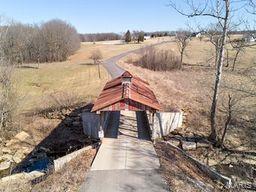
(111, 64)
(126, 160)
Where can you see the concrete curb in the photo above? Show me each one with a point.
(20, 179)
(37, 176)
(226, 181)
(60, 162)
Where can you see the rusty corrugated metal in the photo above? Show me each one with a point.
(134, 96)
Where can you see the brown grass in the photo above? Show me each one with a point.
(70, 177)
(202, 52)
(180, 89)
(190, 90)
(180, 173)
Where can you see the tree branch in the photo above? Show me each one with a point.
(196, 12)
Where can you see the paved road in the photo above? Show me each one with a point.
(126, 160)
(111, 64)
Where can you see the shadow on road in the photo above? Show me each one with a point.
(136, 126)
(113, 125)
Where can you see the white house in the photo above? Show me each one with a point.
(249, 38)
(198, 35)
(147, 37)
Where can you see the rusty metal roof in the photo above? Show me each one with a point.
(126, 89)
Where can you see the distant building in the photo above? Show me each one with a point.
(249, 38)
(196, 34)
(147, 37)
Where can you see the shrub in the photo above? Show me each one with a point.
(96, 56)
(158, 60)
(61, 100)
(54, 40)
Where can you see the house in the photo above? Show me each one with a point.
(198, 35)
(249, 38)
(146, 37)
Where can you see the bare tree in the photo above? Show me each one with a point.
(61, 40)
(96, 56)
(182, 39)
(14, 43)
(229, 108)
(8, 99)
(135, 35)
(37, 46)
(251, 8)
(52, 41)
(221, 12)
(215, 40)
(239, 46)
(214, 35)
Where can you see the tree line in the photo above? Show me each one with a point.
(92, 37)
(133, 36)
(51, 41)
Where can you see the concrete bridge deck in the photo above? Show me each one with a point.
(128, 162)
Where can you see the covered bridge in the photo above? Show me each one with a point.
(126, 92)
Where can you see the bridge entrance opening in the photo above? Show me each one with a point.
(124, 106)
(128, 124)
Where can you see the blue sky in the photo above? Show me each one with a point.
(97, 15)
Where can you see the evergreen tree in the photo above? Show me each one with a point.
(128, 37)
(141, 37)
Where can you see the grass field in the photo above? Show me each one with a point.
(202, 52)
(36, 87)
(77, 77)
